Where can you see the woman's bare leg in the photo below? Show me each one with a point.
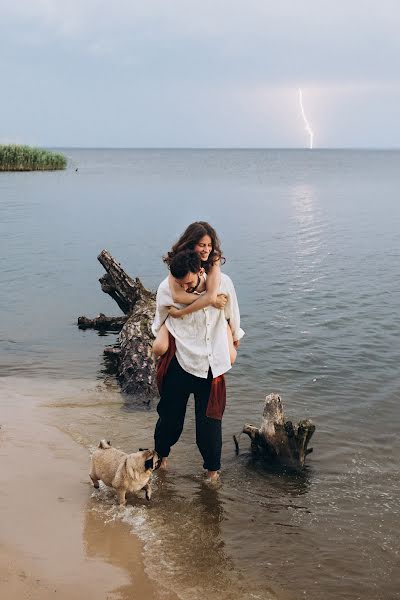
(232, 349)
(161, 343)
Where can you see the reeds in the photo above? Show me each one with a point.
(14, 157)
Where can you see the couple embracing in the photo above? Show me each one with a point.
(197, 329)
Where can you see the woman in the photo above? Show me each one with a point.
(203, 239)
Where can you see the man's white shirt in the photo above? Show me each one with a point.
(201, 337)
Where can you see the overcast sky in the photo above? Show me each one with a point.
(218, 73)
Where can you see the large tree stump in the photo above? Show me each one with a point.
(135, 364)
(277, 440)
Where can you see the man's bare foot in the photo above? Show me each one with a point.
(163, 464)
(212, 477)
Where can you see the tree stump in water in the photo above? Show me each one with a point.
(277, 440)
(135, 364)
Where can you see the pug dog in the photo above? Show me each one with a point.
(121, 471)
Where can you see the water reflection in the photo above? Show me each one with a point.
(285, 481)
(303, 201)
(307, 225)
(190, 527)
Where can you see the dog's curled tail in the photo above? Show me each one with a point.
(104, 444)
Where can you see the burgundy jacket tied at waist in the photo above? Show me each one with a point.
(217, 400)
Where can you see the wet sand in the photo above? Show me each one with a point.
(51, 543)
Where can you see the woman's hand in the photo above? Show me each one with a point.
(220, 302)
(174, 312)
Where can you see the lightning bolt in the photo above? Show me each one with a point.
(306, 123)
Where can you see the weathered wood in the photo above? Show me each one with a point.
(123, 289)
(102, 323)
(136, 371)
(135, 363)
(277, 440)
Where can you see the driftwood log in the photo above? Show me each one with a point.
(279, 441)
(134, 362)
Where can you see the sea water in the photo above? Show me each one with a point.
(312, 243)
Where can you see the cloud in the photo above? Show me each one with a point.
(184, 73)
(248, 41)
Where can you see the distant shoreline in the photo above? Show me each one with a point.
(14, 157)
(227, 149)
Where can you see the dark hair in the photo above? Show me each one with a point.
(190, 237)
(185, 262)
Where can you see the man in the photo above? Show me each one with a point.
(198, 358)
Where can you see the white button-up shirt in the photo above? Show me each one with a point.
(201, 337)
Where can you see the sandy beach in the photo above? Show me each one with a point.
(52, 544)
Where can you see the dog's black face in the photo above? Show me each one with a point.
(148, 464)
(153, 462)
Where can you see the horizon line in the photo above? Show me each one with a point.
(323, 148)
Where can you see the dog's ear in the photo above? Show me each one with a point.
(128, 468)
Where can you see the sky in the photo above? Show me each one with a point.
(209, 73)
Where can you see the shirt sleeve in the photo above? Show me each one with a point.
(232, 313)
(163, 300)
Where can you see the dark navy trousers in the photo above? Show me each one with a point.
(177, 387)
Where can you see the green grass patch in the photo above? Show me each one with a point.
(14, 157)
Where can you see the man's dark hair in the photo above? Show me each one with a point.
(185, 262)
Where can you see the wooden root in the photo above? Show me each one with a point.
(102, 323)
(277, 440)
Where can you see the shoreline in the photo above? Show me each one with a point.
(52, 541)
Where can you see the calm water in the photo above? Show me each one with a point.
(312, 241)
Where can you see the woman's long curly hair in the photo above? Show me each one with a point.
(191, 237)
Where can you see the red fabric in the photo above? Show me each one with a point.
(217, 400)
(164, 361)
